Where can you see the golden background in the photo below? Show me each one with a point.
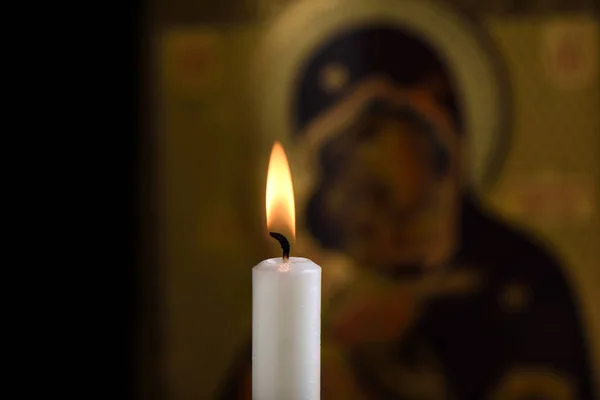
(212, 164)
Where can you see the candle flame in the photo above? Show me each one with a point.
(281, 212)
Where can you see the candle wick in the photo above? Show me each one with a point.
(285, 244)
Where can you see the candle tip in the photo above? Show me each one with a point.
(285, 244)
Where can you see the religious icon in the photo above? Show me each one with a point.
(440, 298)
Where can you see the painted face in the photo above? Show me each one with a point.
(384, 178)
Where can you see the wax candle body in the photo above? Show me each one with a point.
(286, 330)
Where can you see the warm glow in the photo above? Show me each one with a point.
(281, 213)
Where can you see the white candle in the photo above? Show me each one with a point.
(286, 305)
(286, 330)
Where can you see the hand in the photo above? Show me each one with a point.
(374, 316)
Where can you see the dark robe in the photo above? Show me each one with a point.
(476, 337)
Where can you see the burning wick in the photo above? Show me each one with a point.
(285, 245)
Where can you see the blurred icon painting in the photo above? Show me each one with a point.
(396, 117)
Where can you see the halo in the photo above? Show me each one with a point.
(471, 60)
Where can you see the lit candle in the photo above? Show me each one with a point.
(286, 305)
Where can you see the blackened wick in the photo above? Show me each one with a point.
(285, 244)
